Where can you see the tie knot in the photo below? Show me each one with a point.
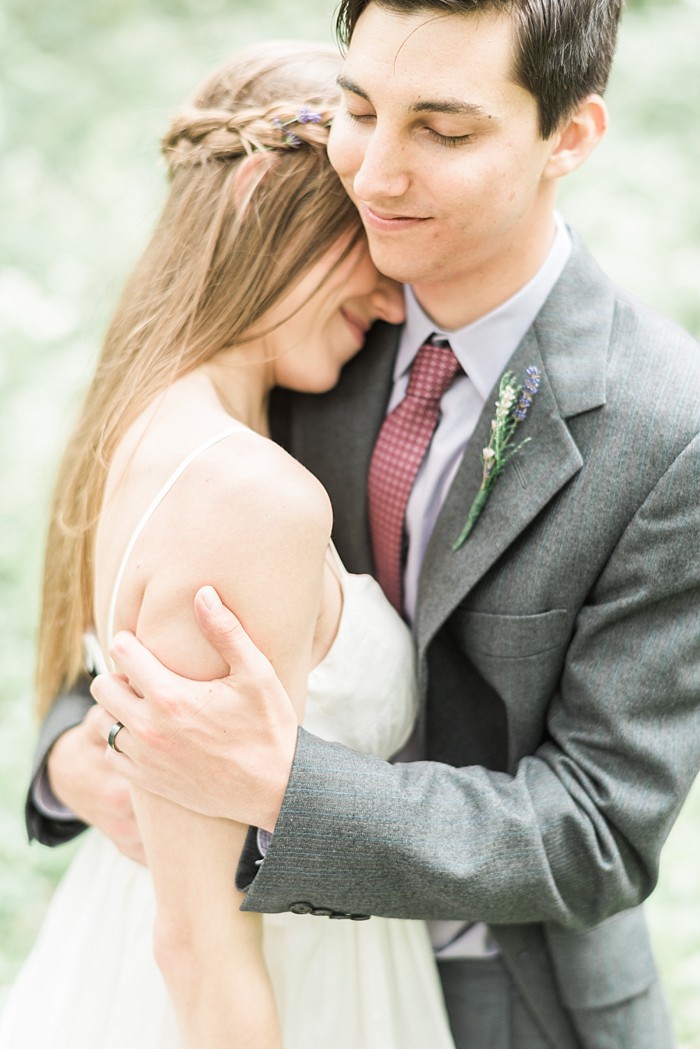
(432, 371)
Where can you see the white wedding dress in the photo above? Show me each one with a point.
(91, 982)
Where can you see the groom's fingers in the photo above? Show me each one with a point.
(114, 702)
(120, 697)
(141, 671)
(223, 630)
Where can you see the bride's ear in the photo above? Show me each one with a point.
(248, 174)
(578, 137)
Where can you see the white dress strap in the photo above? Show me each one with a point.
(152, 507)
(336, 564)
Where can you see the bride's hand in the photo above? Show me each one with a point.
(89, 786)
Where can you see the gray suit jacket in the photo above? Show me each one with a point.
(559, 664)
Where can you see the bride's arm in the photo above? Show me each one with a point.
(262, 540)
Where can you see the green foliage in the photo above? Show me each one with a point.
(86, 90)
(642, 4)
(635, 200)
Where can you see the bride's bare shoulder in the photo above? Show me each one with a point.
(242, 503)
(248, 519)
(253, 480)
(232, 474)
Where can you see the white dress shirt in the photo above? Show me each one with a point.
(483, 349)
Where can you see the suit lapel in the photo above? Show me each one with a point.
(571, 353)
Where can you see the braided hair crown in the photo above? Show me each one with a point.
(237, 111)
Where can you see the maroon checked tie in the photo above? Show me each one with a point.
(401, 446)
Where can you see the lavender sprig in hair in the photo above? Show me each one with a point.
(302, 116)
(512, 407)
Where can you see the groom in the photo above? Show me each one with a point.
(557, 645)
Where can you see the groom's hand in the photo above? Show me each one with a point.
(223, 747)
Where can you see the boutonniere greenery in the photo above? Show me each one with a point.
(512, 407)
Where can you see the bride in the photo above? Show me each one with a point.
(257, 276)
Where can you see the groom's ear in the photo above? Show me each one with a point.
(578, 136)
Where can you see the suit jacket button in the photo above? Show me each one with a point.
(337, 915)
(359, 917)
(322, 912)
(301, 908)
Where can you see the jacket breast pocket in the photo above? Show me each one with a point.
(522, 658)
(512, 637)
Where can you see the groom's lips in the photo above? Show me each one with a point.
(386, 222)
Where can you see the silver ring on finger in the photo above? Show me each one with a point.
(112, 737)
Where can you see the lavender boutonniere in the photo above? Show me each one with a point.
(512, 406)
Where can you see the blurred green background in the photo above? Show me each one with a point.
(85, 91)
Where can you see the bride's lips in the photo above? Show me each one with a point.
(388, 223)
(356, 324)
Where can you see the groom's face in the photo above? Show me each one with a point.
(441, 149)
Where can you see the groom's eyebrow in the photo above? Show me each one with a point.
(450, 105)
(453, 106)
(348, 85)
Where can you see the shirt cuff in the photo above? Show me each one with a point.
(46, 802)
(264, 840)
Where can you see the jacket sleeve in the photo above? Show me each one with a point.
(574, 835)
(68, 710)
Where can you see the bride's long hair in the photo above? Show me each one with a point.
(212, 270)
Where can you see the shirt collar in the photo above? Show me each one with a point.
(484, 347)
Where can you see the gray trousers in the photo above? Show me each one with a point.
(485, 1007)
(487, 1011)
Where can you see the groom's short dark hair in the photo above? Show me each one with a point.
(564, 48)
